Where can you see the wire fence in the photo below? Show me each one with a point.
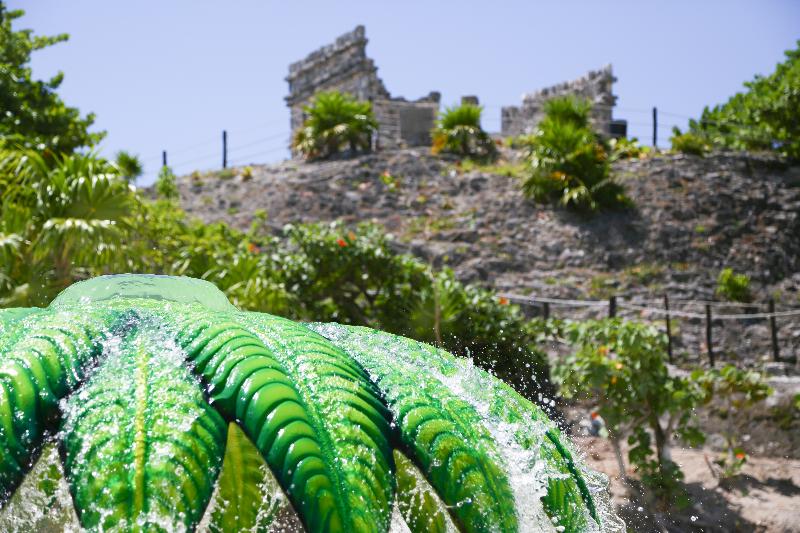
(277, 139)
(667, 312)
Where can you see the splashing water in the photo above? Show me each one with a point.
(175, 411)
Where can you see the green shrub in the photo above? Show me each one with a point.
(458, 131)
(471, 321)
(688, 143)
(737, 391)
(166, 186)
(620, 366)
(734, 287)
(764, 117)
(336, 123)
(226, 174)
(568, 162)
(624, 148)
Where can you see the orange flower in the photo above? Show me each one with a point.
(603, 350)
(252, 248)
(740, 455)
(503, 300)
(341, 242)
(613, 380)
(351, 236)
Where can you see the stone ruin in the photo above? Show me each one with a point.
(344, 66)
(596, 86)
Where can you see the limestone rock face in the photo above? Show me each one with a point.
(693, 217)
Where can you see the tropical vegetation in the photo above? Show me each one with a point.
(33, 115)
(619, 367)
(763, 117)
(458, 131)
(569, 162)
(336, 123)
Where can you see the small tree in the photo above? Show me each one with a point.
(458, 131)
(166, 187)
(336, 122)
(620, 365)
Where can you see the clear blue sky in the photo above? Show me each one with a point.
(173, 74)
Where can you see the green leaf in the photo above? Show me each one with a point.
(417, 501)
(142, 446)
(247, 497)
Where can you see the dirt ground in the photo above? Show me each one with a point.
(764, 498)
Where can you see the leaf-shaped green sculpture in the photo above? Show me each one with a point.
(140, 440)
(417, 501)
(142, 373)
(244, 501)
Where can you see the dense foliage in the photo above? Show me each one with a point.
(569, 162)
(33, 115)
(336, 122)
(458, 131)
(764, 117)
(60, 220)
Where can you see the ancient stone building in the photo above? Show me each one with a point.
(596, 86)
(344, 66)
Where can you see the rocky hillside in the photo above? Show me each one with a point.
(693, 217)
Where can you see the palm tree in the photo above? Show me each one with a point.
(64, 218)
(129, 166)
(336, 122)
(459, 131)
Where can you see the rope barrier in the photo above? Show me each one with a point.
(655, 310)
(556, 301)
(714, 303)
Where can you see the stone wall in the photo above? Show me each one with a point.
(596, 86)
(344, 66)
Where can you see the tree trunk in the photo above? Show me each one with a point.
(662, 442)
(620, 459)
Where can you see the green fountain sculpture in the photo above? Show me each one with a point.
(152, 385)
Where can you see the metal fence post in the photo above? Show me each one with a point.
(612, 307)
(669, 329)
(655, 127)
(163, 158)
(709, 340)
(224, 149)
(773, 328)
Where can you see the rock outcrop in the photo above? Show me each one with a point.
(693, 217)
